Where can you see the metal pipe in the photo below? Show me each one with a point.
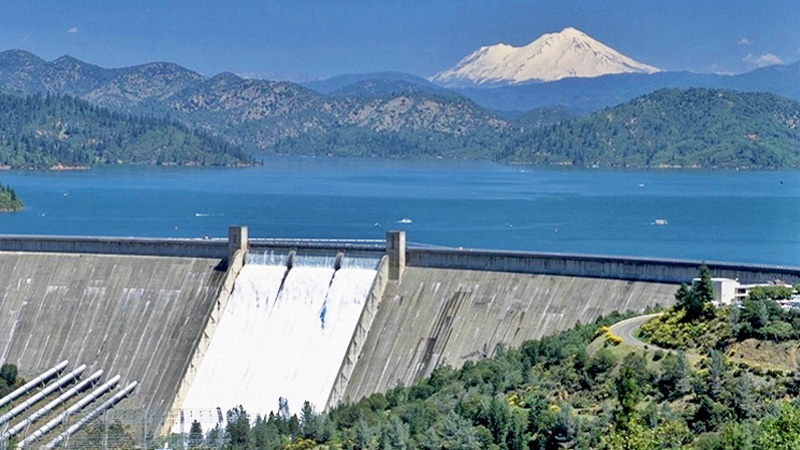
(124, 392)
(55, 421)
(41, 379)
(38, 414)
(68, 378)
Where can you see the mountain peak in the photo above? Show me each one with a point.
(553, 56)
(20, 55)
(571, 31)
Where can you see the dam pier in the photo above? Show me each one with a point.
(195, 324)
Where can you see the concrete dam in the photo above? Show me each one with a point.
(207, 324)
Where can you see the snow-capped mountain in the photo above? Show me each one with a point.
(568, 53)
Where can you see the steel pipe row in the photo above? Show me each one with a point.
(38, 414)
(89, 398)
(124, 392)
(41, 379)
(66, 379)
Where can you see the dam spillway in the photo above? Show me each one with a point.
(317, 326)
(283, 334)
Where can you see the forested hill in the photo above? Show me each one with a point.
(61, 131)
(8, 199)
(673, 128)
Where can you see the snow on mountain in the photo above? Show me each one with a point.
(568, 53)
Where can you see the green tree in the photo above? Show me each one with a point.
(704, 287)
(265, 435)
(363, 438)
(9, 374)
(770, 293)
(195, 434)
(716, 376)
(453, 431)
(742, 398)
(696, 300)
(238, 429)
(781, 432)
(394, 435)
(674, 380)
(628, 384)
(308, 421)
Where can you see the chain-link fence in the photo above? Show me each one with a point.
(135, 429)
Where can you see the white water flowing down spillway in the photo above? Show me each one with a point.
(281, 335)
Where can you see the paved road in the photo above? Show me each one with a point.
(626, 328)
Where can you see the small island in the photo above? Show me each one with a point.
(8, 200)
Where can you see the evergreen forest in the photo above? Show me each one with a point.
(42, 132)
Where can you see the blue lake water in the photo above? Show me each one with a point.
(716, 216)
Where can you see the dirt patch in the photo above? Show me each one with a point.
(766, 354)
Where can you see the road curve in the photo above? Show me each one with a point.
(624, 329)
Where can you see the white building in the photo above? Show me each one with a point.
(727, 291)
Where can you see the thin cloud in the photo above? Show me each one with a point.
(716, 69)
(767, 59)
(72, 30)
(744, 41)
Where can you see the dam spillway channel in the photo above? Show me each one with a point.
(283, 334)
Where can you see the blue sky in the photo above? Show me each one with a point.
(325, 38)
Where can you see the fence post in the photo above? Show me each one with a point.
(183, 433)
(144, 428)
(105, 430)
(219, 428)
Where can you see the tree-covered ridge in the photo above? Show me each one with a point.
(53, 131)
(695, 324)
(559, 392)
(9, 200)
(673, 128)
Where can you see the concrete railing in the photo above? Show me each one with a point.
(595, 266)
(195, 248)
(621, 268)
(368, 314)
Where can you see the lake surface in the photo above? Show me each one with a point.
(715, 216)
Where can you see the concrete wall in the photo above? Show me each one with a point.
(137, 316)
(622, 268)
(449, 316)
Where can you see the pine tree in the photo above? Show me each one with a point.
(704, 288)
(195, 434)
